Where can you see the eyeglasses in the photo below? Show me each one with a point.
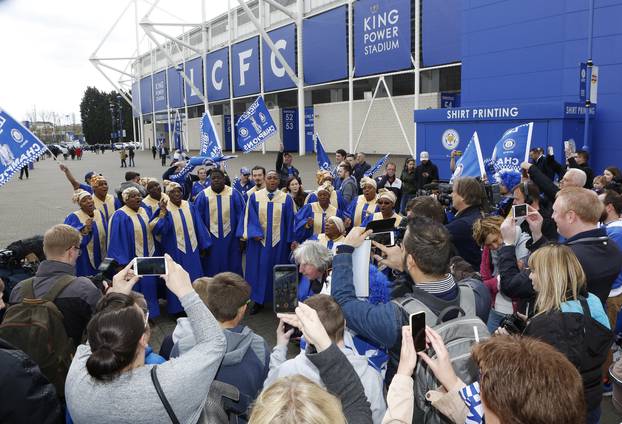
(77, 248)
(146, 320)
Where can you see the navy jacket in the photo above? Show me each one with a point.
(461, 230)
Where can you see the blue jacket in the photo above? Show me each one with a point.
(461, 230)
(614, 231)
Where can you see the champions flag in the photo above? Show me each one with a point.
(377, 165)
(255, 126)
(323, 162)
(210, 144)
(512, 148)
(18, 147)
(179, 145)
(471, 163)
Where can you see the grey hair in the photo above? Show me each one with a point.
(314, 253)
(578, 176)
(126, 193)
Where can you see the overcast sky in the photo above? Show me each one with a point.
(46, 45)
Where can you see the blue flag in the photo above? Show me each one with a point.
(210, 143)
(179, 144)
(255, 126)
(377, 165)
(471, 163)
(323, 162)
(512, 149)
(18, 147)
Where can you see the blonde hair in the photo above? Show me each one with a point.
(296, 400)
(58, 239)
(483, 227)
(559, 276)
(583, 202)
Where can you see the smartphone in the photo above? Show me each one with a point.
(458, 153)
(285, 288)
(519, 211)
(417, 326)
(551, 151)
(150, 266)
(386, 238)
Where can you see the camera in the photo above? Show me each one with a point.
(442, 191)
(513, 324)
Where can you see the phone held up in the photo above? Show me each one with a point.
(149, 266)
(285, 288)
(417, 326)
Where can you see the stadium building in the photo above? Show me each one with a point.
(397, 76)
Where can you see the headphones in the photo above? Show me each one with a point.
(528, 198)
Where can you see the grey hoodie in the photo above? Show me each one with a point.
(370, 378)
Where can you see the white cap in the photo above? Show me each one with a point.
(424, 156)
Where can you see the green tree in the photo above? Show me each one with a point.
(95, 116)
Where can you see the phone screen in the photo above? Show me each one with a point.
(150, 266)
(520, 211)
(387, 238)
(417, 326)
(285, 288)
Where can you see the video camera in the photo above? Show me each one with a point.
(23, 254)
(442, 191)
(107, 269)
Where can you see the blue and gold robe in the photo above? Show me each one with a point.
(150, 204)
(325, 241)
(319, 215)
(223, 214)
(129, 236)
(271, 217)
(182, 234)
(107, 206)
(93, 246)
(360, 208)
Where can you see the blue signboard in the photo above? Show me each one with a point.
(441, 31)
(289, 118)
(227, 130)
(194, 72)
(218, 75)
(324, 46)
(450, 100)
(135, 101)
(146, 98)
(274, 75)
(159, 91)
(175, 88)
(582, 82)
(245, 67)
(381, 36)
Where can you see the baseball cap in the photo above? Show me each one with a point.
(245, 171)
(88, 175)
(424, 156)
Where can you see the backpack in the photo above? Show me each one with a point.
(459, 337)
(36, 327)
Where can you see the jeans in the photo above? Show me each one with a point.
(494, 320)
(593, 416)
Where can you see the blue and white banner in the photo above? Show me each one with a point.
(379, 164)
(381, 36)
(471, 163)
(512, 148)
(18, 147)
(255, 126)
(210, 143)
(177, 138)
(160, 100)
(323, 162)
